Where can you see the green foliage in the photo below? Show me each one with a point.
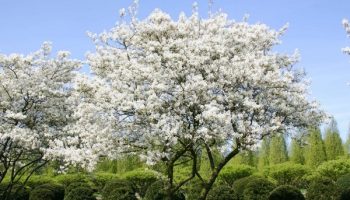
(232, 173)
(322, 189)
(334, 169)
(240, 184)
(286, 192)
(42, 194)
(100, 179)
(222, 192)
(333, 142)
(157, 192)
(278, 150)
(18, 192)
(118, 190)
(36, 181)
(297, 152)
(264, 152)
(315, 151)
(287, 173)
(67, 179)
(343, 182)
(56, 192)
(193, 189)
(74, 185)
(258, 189)
(345, 195)
(140, 180)
(80, 193)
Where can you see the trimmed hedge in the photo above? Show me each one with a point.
(241, 184)
(57, 192)
(18, 192)
(288, 173)
(140, 180)
(80, 193)
(42, 194)
(156, 192)
(258, 189)
(222, 192)
(323, 189)
(286, 192)
(343, 182)
(118, 190)
(230, 174)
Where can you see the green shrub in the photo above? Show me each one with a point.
(140, 180)
(222, 192)
(288, 173)
(18, 192)
(241, 184)
(345, 195)
(55, 189)
(74, 185)
(258, 189)
(99, 180)
(42, 194)
(36, 181)
(343, 182)
(322, 189)
(118, 190)
(80, 193)
(193, 188)
(157, 192)
(286, 192)
(67, 179)
(232, 173)
(334, 169)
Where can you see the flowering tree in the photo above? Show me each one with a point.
(173, 90)
(346, 25)
(33, 110)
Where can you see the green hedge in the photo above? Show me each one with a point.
(118, 190)
(222, 192)
(56, 190)
(286, 192)
(80, 193)
(258, 189)
(322, 189)
(140, 180)
(157, 192)
(232, 173)
(288, 173)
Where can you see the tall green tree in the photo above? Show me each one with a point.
(297, 151)
(333, 142)
(278, 150)
(315, 152)
(263, 153)
(347, 143)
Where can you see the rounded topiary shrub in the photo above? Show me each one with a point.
(41, 194)
(100, 179)
(140, 180)
(80, 193)
(286, 192)
(240, 184)
(118, 190)
(18, 192)
(46, 190)
(258, 189)
(222, 192)
(322, 189)
(157, 192)
(230, 174)
(74, 185)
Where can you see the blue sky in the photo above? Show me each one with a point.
(314, 28)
